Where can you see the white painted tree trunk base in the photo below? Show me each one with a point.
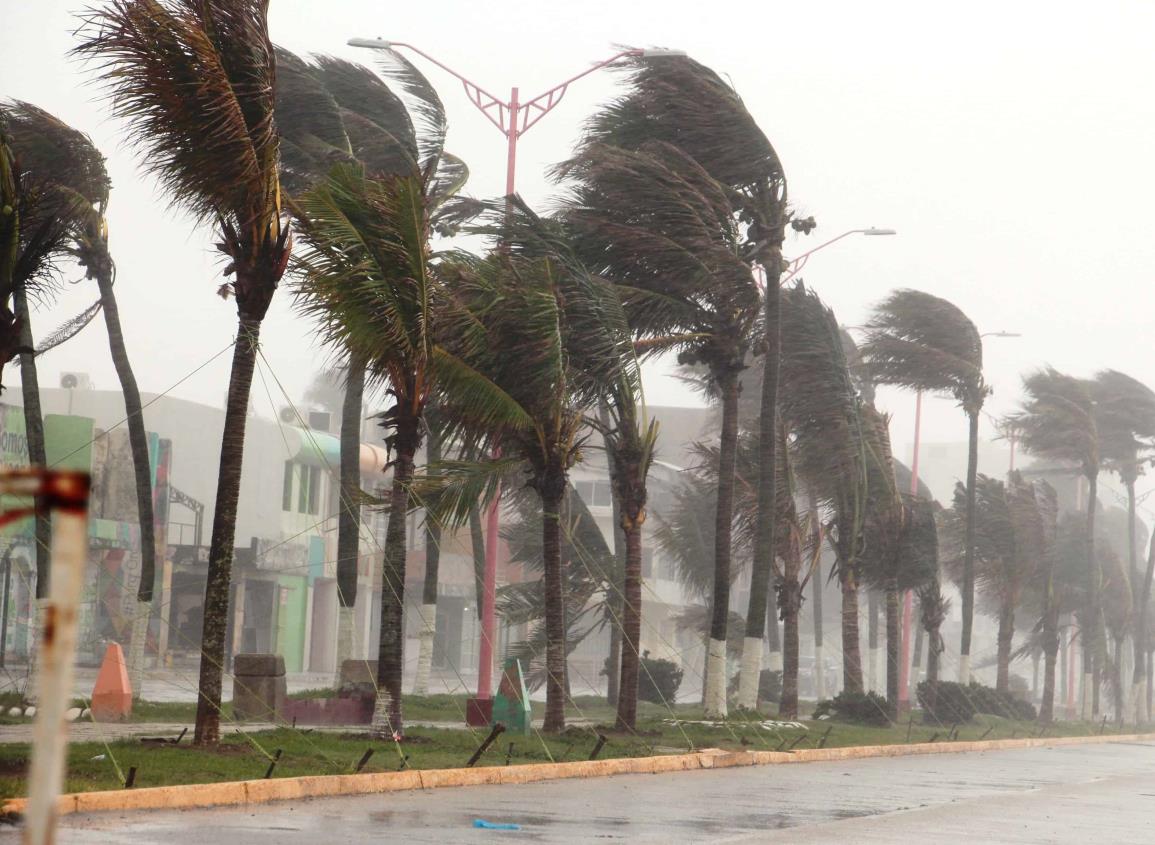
(964, 669)
(346, 622)
(774, 661)
(750, 672)
(380, 727)
(819, 674)
(425, 650)
(716, 679)
(140, 619)
(1139, 702)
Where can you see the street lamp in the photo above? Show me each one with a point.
(795, 265)
(513, 118)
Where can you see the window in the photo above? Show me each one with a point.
(287, 488)
(314, 490)
(585, 489)
(603, 495)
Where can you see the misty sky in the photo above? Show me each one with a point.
(1008, 143)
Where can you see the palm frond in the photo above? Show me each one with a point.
(69, 329)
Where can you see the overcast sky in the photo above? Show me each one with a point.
(1009, 144)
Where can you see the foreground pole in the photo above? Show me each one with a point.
(65, 495)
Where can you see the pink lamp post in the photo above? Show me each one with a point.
(513, 118)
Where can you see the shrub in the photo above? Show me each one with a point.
(658, 680)
(861, 708)
(990, 701)
(945, 702)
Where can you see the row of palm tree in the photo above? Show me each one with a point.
(674, 204)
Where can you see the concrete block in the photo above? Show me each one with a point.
(272, 665)
(355, 672)
(112, 694)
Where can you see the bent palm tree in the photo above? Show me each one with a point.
(548, 337)
(660, 227)
(1125, 411)
(333, 111)
(921, 342)
(53, 180)
(1058, 422)
(822, 412)
(195, 81)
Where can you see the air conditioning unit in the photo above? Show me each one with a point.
(288, 415)
(320, 421)
(76, 381)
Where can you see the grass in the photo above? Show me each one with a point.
(96, 766)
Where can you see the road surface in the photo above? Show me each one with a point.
(1076, 794)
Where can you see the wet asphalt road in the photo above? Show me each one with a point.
(1078, 794)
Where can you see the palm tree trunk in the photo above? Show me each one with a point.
(791, 604)
(387, 717)
(851, 650)
(1050, 654)
(219, 576)
(968, 587)
(349, 507)
(871, 640)
(1141, 584)
(934, 647)
(552, 498)
(1142, 677)
(1091, 633)
(138, 445)
(893, 626)
(1006, 637)
(818, 585)
(717, 675)
(432, 567)
(631, 629)
(37, 456)
(762, 565)
(614, 600)
(1117, 679)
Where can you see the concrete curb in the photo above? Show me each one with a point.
(321, 786)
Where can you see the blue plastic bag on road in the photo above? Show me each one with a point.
(484, 825)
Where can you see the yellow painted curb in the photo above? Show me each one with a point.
(322, 786)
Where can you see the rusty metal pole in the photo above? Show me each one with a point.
(66, 495)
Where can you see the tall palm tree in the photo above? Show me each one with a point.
(922, 342)
(679, 105)
(333, 111)
(1004, 566)
(547, 336)
(195, 82)
(828, 450)
(659, 226)
(55, 181)
(1125, 413)
(1033, 511)
(1058, 422)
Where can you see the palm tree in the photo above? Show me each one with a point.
(547, 337)
(1004, 566)
(1058, 422)
(195, 81)
(695, 136)
(822, 411)
(1125, 413)
(55, 182)
(1033, 511)
(655, 223)
(629, 439)
(921, 342)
